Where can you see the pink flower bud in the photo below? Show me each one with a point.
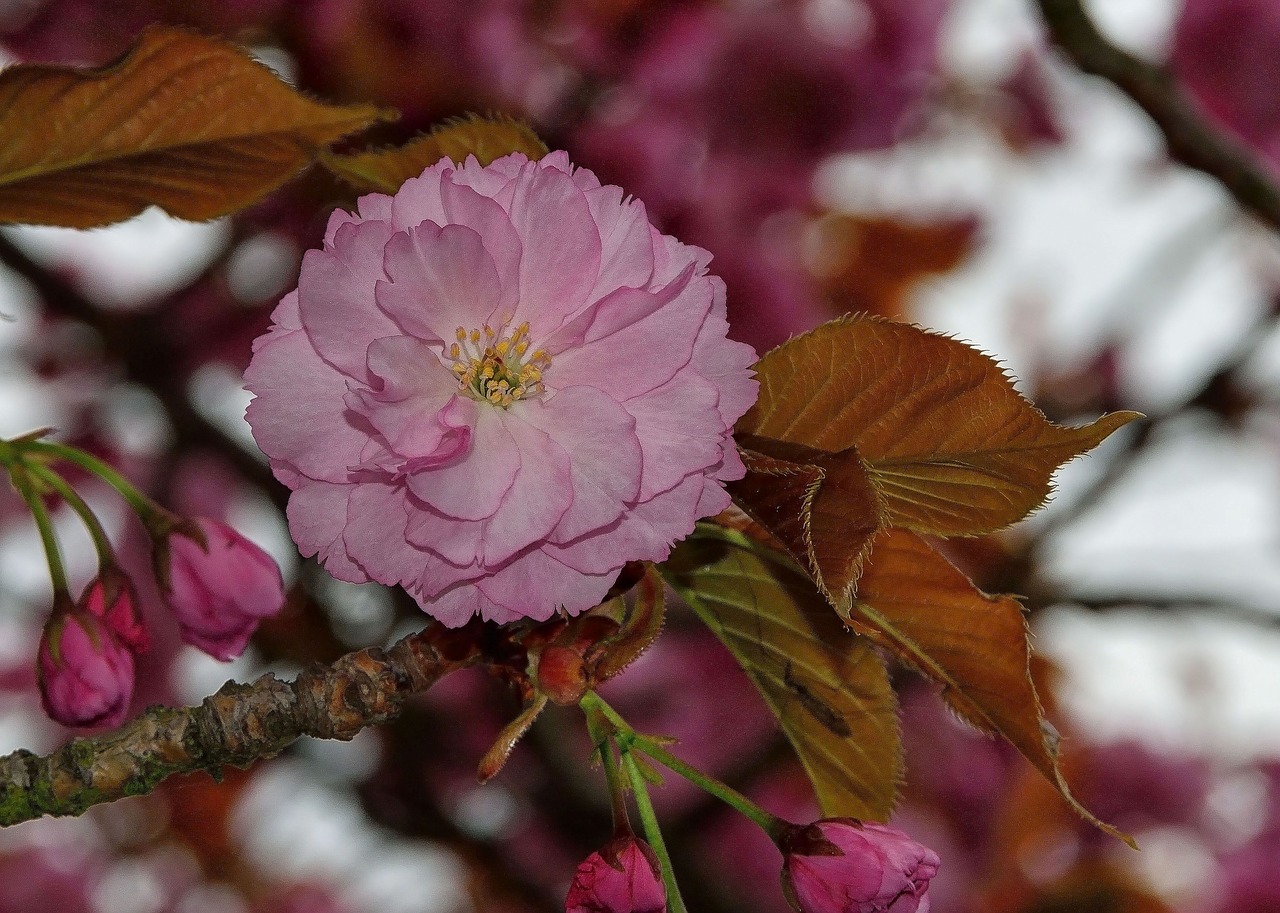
(85, 672)
(622, 877)
(219, 589)
(840, 865)
(112, 598)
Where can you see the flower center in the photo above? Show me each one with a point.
(497, 369)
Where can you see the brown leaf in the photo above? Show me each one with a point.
(487, 138)
(185, 122)
(868, 263)
(828, 688)
(821, 506)
(952, 447)
(915, 603)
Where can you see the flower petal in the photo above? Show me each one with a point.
(297, 414)
(439, 279)
(727, 364)
(418, 199)
(413, 402)
(317, 516)
(644, 533)
(626, 255)
(540, 495)
(465, 206)
(606, 456)
(640, 356)
(456, 541)
(473, 487)
(680, 431)
(560, 245)
(335, 296)
(535, 585)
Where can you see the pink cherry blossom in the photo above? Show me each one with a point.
(85, 672)
(622, 877)
(221, 588)
(497, 387)
(839, 865)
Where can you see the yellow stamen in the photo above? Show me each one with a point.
(499, 373)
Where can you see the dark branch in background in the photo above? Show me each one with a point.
(139, 344)
(236, 726)
(1192, 140)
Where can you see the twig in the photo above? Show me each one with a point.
(236, 726)
(1192, 140)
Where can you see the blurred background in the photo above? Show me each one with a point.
(929, 160)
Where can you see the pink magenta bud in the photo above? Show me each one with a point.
(840, 865)
(220, 589)
(85, 672)
(112, 598)
(622, 877)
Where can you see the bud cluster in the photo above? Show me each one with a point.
(217, 584)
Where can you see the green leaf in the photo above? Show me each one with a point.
(828, 688)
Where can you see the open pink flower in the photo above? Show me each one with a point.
(497, 387)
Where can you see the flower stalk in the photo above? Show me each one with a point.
(653, 833)
(157, 520)
(629, 740)
(26, 486)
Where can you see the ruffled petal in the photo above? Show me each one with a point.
(297, 414)
(465, 206)
(418, 199)
(644, 533)
(727, 364)
(456, 541)
(336, 300)
(413, 401)
(536, 585)
(317, 515)
(600, 437)
(476, 485)
(560, 248)
(370, 207)
(626, 245)
(540, 495)
(680, 431)
(438, 279)
(637, 357)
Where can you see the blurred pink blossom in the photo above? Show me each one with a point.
(623, 877)
(85, 672)
(1224, 53)
(839, 865)
(219, 589)
(498, 387)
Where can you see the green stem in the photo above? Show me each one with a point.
(772, 824)
(106, 554)
(601, 732)
(155, 517)
(652, 833)
(22, 481)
